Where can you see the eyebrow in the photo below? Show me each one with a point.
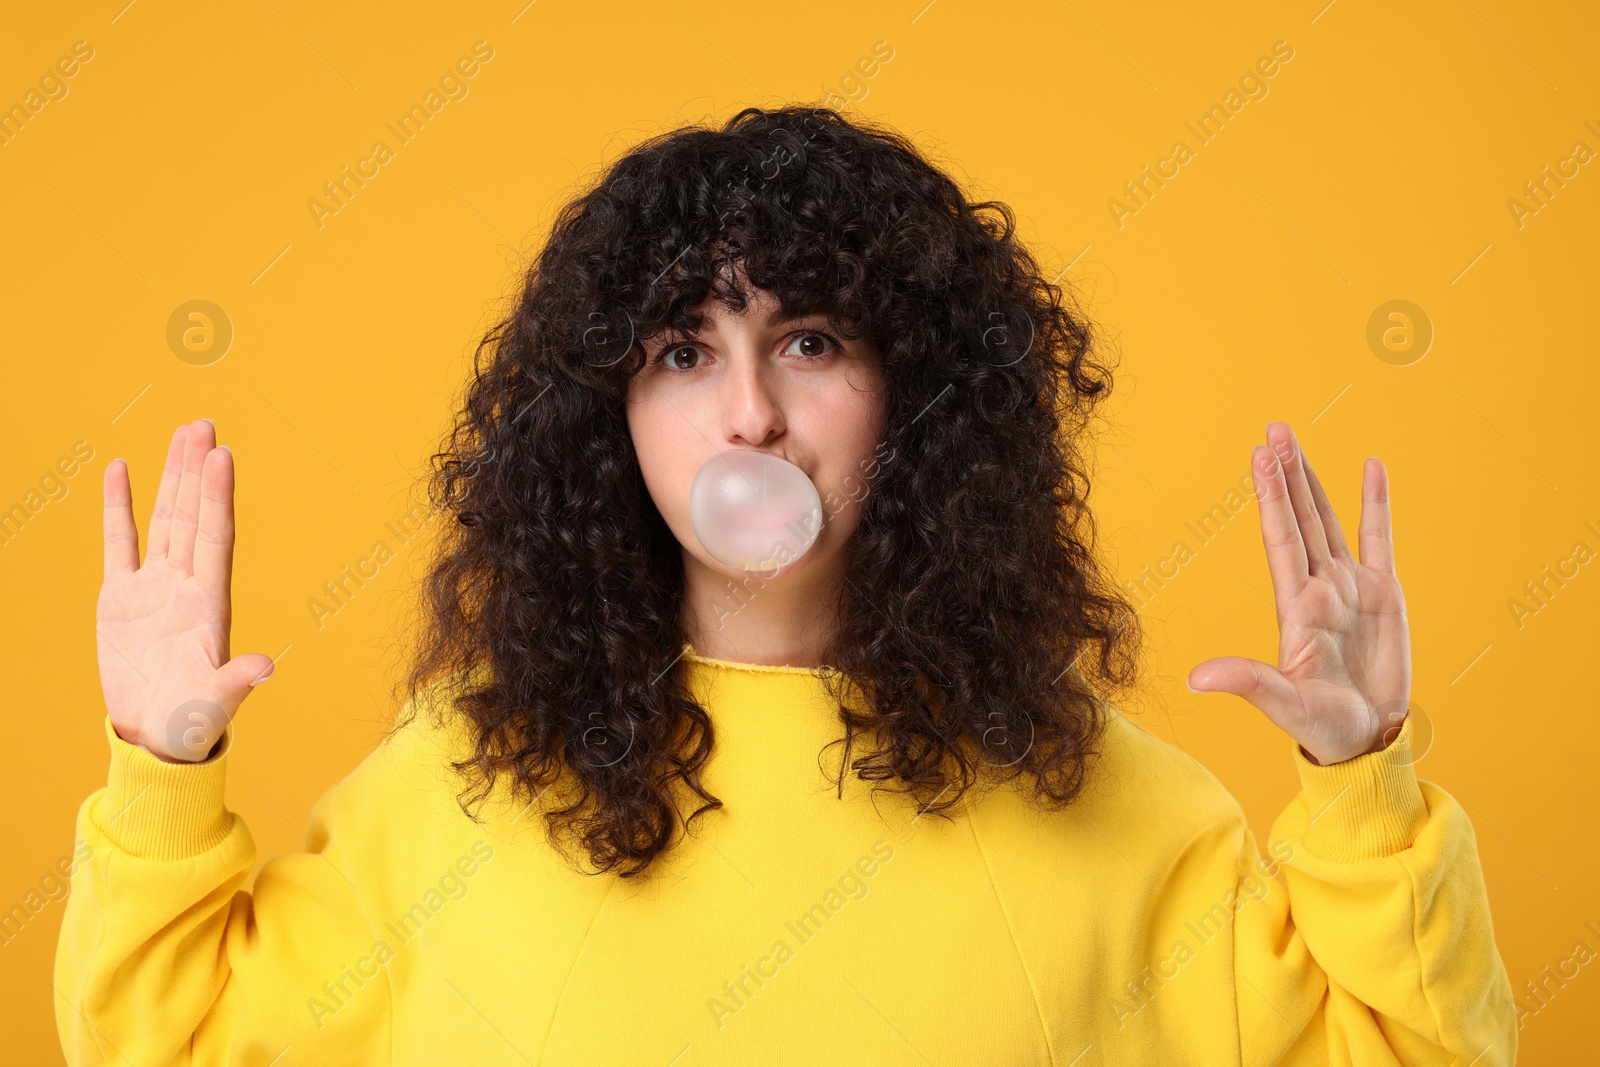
(774, 318)
(776, 315)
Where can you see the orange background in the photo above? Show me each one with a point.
(1380, 164)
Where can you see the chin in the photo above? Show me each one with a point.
(810, 559)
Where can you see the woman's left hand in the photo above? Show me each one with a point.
(1343, 681)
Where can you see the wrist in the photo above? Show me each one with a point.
(1386, 737)
(138, 742)
(1363, 808)
(1389, 733)
(168, 759)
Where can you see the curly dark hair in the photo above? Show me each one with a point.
(971, 591)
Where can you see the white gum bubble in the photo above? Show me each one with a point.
(753, 510)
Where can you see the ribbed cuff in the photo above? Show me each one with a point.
(1364, 807)
(159, 810)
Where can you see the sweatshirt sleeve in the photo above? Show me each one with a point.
(163, 957)
(1365, 936)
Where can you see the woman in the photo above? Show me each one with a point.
(603, 829)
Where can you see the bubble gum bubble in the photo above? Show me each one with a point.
(753, 510)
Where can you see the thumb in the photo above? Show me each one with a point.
(1260, 683)
(243, 671)
(193, 727)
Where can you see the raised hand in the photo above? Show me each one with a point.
(168, 682)
(1342, 685)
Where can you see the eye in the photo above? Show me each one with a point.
(810, 341)
(671, 353)
(811, 336)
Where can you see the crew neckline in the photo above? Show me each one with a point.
(689, 653)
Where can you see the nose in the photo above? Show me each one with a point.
(752, 411)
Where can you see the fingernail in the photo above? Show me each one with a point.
(265, 676)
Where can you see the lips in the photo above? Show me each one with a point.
(781, 456)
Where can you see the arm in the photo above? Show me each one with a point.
(1365, 936)
(1377, 946)
(164, 958)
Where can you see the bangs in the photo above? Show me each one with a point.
(773, 202)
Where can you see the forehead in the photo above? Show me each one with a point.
(762, 308)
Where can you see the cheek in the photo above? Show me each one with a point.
(663, 449)
(853, 429)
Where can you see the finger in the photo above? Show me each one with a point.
(1260, 683)
(243, 671)
(1281, 436)
(166, 497)
(1330, 522)
(1286, 554)
(201, 440)
(213, 549)
(1377, 536)
(122, 536)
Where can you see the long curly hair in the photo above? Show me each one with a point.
(978, 627)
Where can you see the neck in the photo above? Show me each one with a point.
(783, 621)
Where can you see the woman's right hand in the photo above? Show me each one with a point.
(169, 684)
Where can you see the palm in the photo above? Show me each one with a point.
(163, 626)
(160, 634)
(1343, 678)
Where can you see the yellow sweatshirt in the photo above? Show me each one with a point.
(1140, 926)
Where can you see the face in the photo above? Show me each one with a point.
(748, 380)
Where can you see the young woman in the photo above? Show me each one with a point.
(606, 829)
